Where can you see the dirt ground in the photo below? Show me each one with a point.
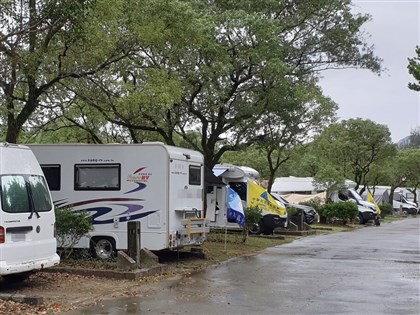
(62, 292)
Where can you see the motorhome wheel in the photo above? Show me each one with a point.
(360, 219)
(103, 247)
(256, 228)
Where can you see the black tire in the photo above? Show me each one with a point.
(360, 219)
(309, 219)
(377, 222)
(103, 248)
(256, 228)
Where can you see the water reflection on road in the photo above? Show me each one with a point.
(374, 270)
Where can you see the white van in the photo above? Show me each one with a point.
(400, 202)
(160, 186)
(27, 219)
(367, 210)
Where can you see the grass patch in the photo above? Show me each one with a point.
(390, 219)
(330, 228)
(220, 246)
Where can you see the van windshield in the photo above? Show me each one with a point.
(24, 193)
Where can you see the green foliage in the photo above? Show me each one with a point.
(404, 170)
(341, 210)
(351, 148)
(414, 70)
(252, 216)
(71, 226)
(291, 211)
(386, 209)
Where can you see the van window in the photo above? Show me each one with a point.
(52, 174)
(24, 193)
(195, 175)
(97, 177)
(240, 188)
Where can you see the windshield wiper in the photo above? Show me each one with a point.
(32, 203)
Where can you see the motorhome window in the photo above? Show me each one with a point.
(22, 193)
(240, 188)
(52, 174)
(97, 177)
(397, 197)
(195, 175)
(409, 196)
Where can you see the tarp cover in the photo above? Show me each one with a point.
(210, 179)
(296, 198)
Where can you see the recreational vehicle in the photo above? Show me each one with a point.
(367, 210)
(296, 185)
(400, 200)
(242, 180)
(159, 185)
(27, 220)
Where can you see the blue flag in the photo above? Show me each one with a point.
(235, 210)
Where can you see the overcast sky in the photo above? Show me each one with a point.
(395, 32)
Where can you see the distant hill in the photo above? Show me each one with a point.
(404, 142)
(411, 141)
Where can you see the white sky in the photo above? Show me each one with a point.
(385, 99)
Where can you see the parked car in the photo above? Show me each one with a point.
(311, 216)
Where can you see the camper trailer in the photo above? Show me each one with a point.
(27, 219)
(161, 186)
(242, 180)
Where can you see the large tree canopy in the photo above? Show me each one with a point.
(225, 70)
(44, 43)
(352, 147)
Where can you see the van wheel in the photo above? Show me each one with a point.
(256, 228)
(103, 247)
(360, 219)
(377, 222)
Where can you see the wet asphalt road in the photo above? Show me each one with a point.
(372, 270)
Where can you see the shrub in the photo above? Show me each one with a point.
(315, 203)
(340, 210)
(386, 209)
(292, 214)
(71, 226)
(252, 216)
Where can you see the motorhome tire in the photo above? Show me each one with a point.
(360, 219)
(256, 228)
(103, 247)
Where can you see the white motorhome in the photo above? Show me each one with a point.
(237, 178)
(296, 185)
(159, 185)
(367, 210)
(400, 200)
(27, 219)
